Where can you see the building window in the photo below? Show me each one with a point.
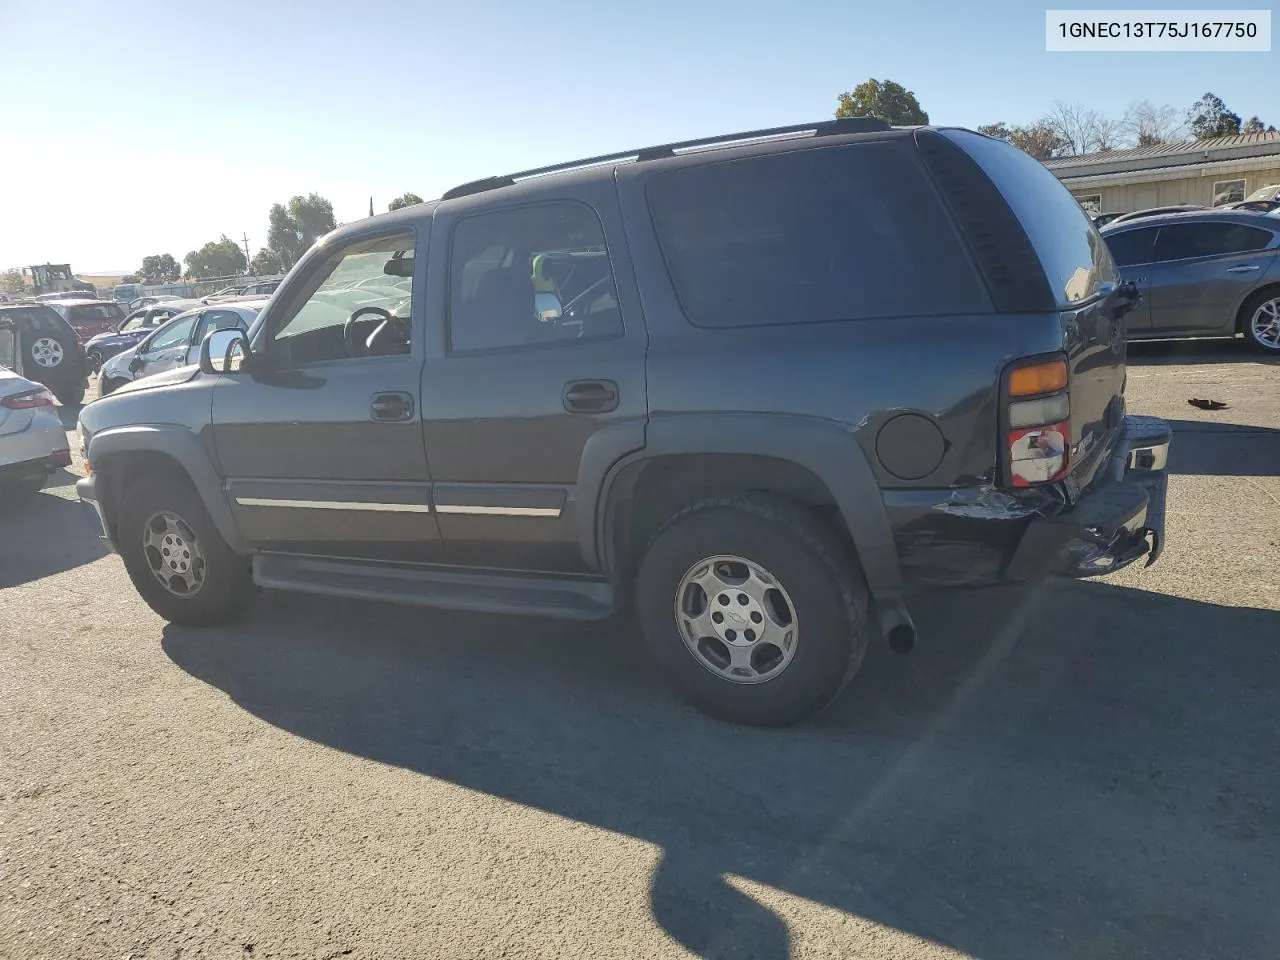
(1092, 204)
(1228, 191)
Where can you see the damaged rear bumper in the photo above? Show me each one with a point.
(982, 536)
(1118, 520)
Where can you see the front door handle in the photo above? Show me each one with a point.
(590, 396)
(391, 407)
(1243, 268)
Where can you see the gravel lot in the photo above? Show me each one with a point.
(1087, 770)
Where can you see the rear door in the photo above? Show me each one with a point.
(1203, 270)
(1134, 253)
(539, 362)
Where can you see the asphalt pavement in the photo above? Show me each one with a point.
(1090, 769)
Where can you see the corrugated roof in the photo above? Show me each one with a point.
(1166, 153)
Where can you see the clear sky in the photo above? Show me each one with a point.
(131, 127)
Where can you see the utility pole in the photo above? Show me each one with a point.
(247, 259)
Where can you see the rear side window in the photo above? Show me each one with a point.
(836, 233)
(95, 313)
(1182, 241)
(1074, 257)
(1133, 246)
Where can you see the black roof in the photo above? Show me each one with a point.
(823, 128)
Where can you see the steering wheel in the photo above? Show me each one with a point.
(359, 348)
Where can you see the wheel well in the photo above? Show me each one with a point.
(116, 472)
(1242, 315)
(646, 493)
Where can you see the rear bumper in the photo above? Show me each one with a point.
(982, 536)
(1118, 520)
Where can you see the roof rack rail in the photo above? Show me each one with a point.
(823, 128)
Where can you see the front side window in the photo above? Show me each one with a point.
(819, 234)
(1228, 191)
(135, 321)
(174, 335)
(218, 320)
(1132, 246)
(1183, 241)
(352, 306)
(530, 275)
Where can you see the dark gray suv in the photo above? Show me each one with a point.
(756, 386)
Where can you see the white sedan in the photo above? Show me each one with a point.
(33, 441)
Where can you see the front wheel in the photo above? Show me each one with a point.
(176, 558)
(94, 360)
(753, 609)
(1260, 318)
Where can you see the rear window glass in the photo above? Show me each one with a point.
(89, 313)
(1183, 241)
(1074, 257)
(836, 233)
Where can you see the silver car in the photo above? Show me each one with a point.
(1208, 273)
(176, 343)
(33, 441)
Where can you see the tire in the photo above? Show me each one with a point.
(167, 502)
(822, 586)
(70, 395)
(1260, 321)
(110, 385)
(94, 360)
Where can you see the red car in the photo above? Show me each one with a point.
(88, 318)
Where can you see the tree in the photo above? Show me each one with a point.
(1209, 117)
(1038, 140)
(888, 101)
(293, 228)
(997, 131)
(1254, 125)
(1081, 129)
(160, 268)
(404, 200)
(217, 258)
(264, 262)
(12, 281)
(1145, 124)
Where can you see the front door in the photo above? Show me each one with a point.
(1133, 251)
(165, 349)
(321, 443)
(1203, 271)
(542, 365)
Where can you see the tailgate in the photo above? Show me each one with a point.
(1094, 341)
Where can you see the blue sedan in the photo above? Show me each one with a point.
(132, 329)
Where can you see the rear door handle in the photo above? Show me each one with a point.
(391, 407)
(590, 396)
(1243, 268)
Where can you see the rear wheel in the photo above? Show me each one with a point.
(94, 359)
(47, 354)
(753, 609)
(176, 558)
(1260, 318)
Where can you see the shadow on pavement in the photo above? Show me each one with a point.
(1207, 447)
(42, 534)
(1145, 353)
(70, 416)
(1080, 771)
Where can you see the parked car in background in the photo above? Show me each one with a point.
(176, 343)
(66, 295)
(752, 388)
(1102, 219)
(262, 288)
(1258, 206)
(1270, 192)
(88, 318)
(132, 329)
(146, 301)
(42, 347)
(235, 290)
(1155, 212)
(1207, 273)
(33, 441)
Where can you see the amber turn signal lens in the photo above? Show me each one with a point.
(1040, 378)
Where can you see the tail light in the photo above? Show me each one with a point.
(25, 401)
(1038, 422)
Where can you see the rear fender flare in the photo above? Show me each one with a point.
(184, 447)
(827, 449)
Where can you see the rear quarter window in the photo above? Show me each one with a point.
(851, 232)
(1074, 257)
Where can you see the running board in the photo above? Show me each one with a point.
(563, 597)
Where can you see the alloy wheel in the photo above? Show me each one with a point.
(736, 619)
(173, 554)
(1265, 324)
(47, 352)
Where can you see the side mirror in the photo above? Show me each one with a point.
(224, 351)
(547, 306)
(135, 364)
